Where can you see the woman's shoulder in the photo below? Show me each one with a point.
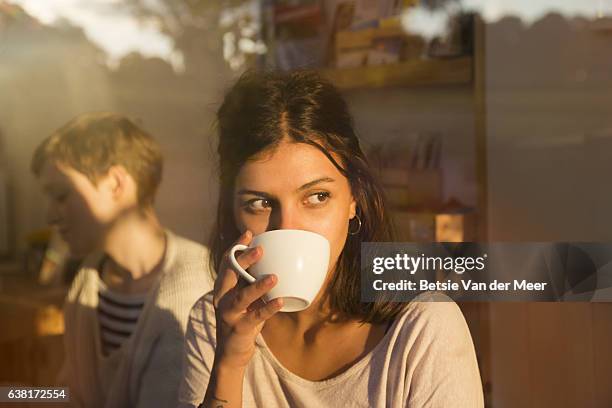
(203, 307)
(434, 348)
(431, 337)
(432, 315)
(202, 314)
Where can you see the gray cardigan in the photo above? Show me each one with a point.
(146, 370)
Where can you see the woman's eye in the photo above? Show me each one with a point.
(318, 198)
(259, 204)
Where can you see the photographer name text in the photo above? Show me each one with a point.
(424, 284)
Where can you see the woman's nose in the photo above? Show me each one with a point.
(285, 218)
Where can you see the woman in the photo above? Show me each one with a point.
(290, 159)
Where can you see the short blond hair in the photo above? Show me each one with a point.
(93, 142)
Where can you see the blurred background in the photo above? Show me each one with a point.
(485, 121)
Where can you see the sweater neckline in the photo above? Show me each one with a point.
(167, 260)
(357, 367)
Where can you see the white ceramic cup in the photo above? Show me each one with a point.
(299, 259)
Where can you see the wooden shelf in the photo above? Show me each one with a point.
(408, 73)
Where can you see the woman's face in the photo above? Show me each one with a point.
(294, 187)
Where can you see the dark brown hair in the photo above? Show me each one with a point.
(93, 142)
(264, 108)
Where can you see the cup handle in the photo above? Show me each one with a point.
(237, 267)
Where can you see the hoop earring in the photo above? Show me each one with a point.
(358, 228)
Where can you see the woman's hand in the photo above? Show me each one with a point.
(239, 312)
(240, 317)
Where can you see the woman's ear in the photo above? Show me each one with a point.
(352, 209)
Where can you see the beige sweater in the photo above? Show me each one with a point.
(145, 371)
(426, 359)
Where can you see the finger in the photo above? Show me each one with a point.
(227, 277)
(245, 238)
(256, 305)
(231, 277)
(244, 297)
(262, 314)
(248, 257)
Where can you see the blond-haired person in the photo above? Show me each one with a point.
(127, 309)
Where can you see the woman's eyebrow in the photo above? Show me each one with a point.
(302, 188)
(315, 182)
(253, 192)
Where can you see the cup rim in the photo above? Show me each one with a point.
(292, 230)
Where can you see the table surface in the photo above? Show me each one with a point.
(28, 309)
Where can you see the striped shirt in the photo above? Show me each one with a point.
(118, 315)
